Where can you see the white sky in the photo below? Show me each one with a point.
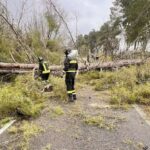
(91, 14)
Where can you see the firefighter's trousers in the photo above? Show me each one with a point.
(70, 83)
(45, 76)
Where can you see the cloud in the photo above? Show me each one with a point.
(91, 13)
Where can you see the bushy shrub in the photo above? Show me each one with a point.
(121, 95)
(107, 80)
(142, 93)
(126, 77)
(54, 58)
(88, 76)
(59, 89)
(23, 96)
(139, 94)
(143, 72)
(53, 45)
(127, 85)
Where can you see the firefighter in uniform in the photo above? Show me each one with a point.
(44, 71)
(70, 67)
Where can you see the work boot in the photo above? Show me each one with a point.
(74, 97)
(70, 98)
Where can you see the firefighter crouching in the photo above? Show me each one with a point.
(70, 67)
(44, 70)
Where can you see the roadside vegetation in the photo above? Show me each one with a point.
(24, 97)
(127, 85)
(24, 132)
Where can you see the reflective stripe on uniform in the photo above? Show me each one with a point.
(44, 72)
(74, 92)
(73, 62)
(71, 71)
(70, 92)
(45, 69)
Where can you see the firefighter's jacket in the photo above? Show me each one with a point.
(43, 68)
(70, 65)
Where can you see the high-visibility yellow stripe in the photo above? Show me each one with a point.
(44, 67)
(74, 92)
(70, 92)
(73, 62)
(45, 70)
(71, 71)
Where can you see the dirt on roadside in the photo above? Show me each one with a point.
(90, 123)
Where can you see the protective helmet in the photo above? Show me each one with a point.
(40, 58)
(67, 51)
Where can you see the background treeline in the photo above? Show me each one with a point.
(128, 28)
(24, 37)
(31, 33)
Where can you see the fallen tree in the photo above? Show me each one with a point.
(17, 68)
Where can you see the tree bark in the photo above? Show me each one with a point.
(57, 70)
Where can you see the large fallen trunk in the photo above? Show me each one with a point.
(16, 68)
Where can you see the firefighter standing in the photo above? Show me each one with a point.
(44, 71)
(70, 67)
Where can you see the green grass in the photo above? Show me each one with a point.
(101, 122)
(88, 76)
(59, 88)
(23, 96)
(4, 121)
(127, 85)
(57, 111)
(95, 121)
(47, 147)
(26, 130)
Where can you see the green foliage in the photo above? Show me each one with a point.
(59, 90)
(52, 23)
(4, 121)
(95, 121)
(56, 111)
(139, 94)
(88, 76)
(143, 72)
(122, 95)
(136, 18)
(47, 147)
(104, 39)
(102, 122)
(107, 80)
(126, 77)
(27, 130)
(127, 85)
(22, 96)
(35, 40)
(132, 86)
(142, 94)
(54, 58)
(53, 45)
(23, 44)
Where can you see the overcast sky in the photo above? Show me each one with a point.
(91, 14)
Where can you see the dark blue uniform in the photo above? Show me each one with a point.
(44, 70)
(70, 67)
